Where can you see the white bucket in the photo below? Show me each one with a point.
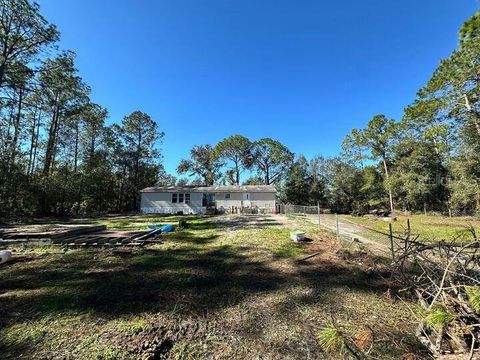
(5, 255)
(297, 236)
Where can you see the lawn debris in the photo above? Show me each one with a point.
(5, 255)
(310, 256)
(445, 278)
(15, 234)
(111, 238)
(364, 339)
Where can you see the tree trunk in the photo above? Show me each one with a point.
(16, 128)
(92, 146)
(122, 185)
(2, 70)
(32, 142)
(475, 115)
(75, 160)
(35, 148)
(7, 134)
(137, 167)
(237, 175)
(51, 139)
(390, 196)
(54, 150)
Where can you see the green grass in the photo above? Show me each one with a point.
(429, 228)
(274, 240)
(212, 290)
(140, 222)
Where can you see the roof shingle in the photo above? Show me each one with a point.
(212, 189)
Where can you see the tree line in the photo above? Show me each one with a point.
(57, 155)
(429, 160)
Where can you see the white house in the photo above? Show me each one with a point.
(197, 199)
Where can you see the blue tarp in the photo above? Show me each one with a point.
(164, 228)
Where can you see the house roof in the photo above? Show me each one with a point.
(212, 189)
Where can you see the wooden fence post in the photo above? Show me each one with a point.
(391, 240)
(407, 238)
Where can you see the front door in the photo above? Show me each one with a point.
(246, 200)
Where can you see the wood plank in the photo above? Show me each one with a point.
(149, 234)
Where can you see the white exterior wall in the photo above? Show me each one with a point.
(161, 203)
(263, 200)
(224, 204)
(256, 199)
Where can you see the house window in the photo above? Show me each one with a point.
(187, 198)
(180, 198)
(227, 196)
(174, 198)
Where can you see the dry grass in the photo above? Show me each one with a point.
(430, 228)
(221, 289)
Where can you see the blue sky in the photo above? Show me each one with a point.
(302, 72)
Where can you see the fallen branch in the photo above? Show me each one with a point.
(310, 256)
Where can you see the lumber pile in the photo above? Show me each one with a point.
(75, 236)
(111, 238)
(44, 234)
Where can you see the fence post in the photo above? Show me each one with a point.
(318, 211)
(338, 230)
(391, 240)
(407, 238)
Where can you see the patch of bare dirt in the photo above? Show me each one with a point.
(155, 343)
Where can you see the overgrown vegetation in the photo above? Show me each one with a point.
(229, 287)
(57, 156)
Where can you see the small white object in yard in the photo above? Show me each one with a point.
(297, 236)
(5, 255)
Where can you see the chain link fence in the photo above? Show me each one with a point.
(349, 232)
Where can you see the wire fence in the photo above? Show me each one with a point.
(348, 232)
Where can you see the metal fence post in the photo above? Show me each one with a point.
(338, 230)
(318, 210)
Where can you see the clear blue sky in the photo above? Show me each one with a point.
(302, 72)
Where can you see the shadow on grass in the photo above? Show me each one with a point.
(189, 281)
(182, 279)
(246, 221)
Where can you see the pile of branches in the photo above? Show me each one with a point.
(445, 278)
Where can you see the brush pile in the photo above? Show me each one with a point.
(445, 278)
